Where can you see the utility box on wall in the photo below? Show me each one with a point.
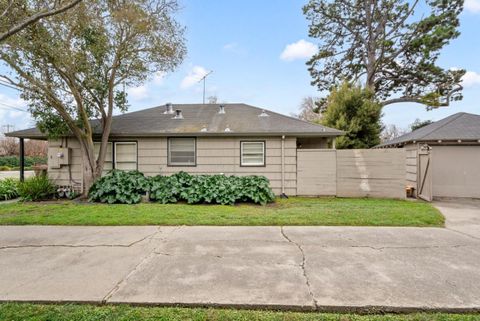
(58, 156)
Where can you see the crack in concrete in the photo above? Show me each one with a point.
(302, 266)
(137, 267)
(77, 245)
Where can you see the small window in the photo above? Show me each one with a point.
(252, 153)
(181, 152)
(126, 156)
(108, 164)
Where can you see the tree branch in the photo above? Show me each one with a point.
(32, 19)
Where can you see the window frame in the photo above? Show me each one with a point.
(169, 163)
(114, 152)
(112, 160)
(264, 153)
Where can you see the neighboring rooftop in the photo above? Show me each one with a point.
(203, 120)
(459, 126)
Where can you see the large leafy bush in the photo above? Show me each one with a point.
(36, 188)
(8, 189)
(216, 189)
(119, 187)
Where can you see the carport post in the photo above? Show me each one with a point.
(22, 160)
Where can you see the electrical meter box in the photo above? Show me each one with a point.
(58, 156)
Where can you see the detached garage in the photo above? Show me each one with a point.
(443, 158)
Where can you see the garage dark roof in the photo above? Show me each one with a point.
(459, 126)
(203, 120)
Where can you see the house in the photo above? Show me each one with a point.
(443, 158)
(234, 139)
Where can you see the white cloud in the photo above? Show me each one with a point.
(472, 6)
(138, 93)
(298, 50)
(193, 77)
(471, 79)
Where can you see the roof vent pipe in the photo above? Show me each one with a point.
(263, 114)
(221, 109)
(169, 108)
(204, 129)
(178, 114)
(227, 129)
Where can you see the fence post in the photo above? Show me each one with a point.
(22, 160)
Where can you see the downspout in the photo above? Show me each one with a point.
(283, 195)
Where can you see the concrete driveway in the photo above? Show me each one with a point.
(308, 268)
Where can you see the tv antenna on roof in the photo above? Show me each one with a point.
(204, 78)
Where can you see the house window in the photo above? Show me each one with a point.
(108, 164)
(182, 152)
(252, 153)
(126, 156)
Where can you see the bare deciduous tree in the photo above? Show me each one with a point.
(390, 132)
(309, 110)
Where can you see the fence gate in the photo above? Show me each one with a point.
(425, 187)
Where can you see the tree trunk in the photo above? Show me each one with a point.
(89, 169)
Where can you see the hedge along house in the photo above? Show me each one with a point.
(443, 158)
(232, 139)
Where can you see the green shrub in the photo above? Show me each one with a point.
(8, 189)
(36, 188)
(14, 161)
(119, 187)
(5, 168)
(215, 189)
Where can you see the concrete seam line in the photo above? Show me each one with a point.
(463, 233)
(302, 266)
(137, 267)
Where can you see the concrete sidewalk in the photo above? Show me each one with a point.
(304, 268)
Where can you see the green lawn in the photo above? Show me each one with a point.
(294, 211)
(38, 312)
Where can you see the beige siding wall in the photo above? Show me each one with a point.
(371, 172)
(222, 155)
(411, 153)
(214, 155)
(316, 172)
(67, 175)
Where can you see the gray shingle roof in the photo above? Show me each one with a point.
(242, 119)
(459, 126)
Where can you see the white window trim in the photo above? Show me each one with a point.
(169, 154)
(252, 164)
(125, 143)
(108, 144)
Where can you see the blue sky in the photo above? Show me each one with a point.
(257, 51)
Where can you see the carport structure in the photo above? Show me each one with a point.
(443, 158)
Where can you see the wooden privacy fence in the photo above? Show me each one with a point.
(351, 173)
